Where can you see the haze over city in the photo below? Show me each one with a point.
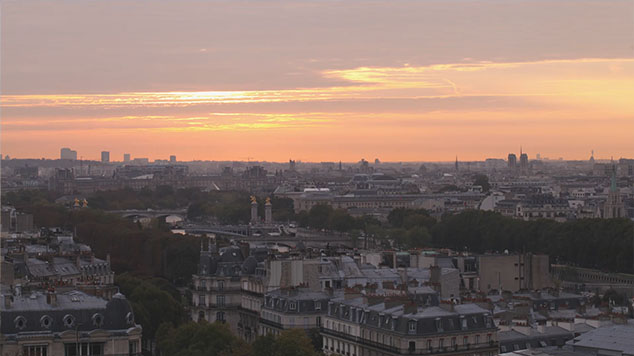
(398, 80)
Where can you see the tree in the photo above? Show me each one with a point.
(483, 181)
(200, 339)
(294, 342)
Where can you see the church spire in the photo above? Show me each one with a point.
(613, 187)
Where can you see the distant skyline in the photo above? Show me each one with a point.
(371, 160)
(400, 80)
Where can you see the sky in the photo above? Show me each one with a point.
(323, 80)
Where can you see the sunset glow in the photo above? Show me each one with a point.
(416, 109)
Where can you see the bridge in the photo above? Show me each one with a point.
(269, 235)
(149, 213)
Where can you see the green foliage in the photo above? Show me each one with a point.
(152, 304)
(615, 297)
(292, 342)
(199, 339)
(264, 345)
(604, 244)
(483, 181)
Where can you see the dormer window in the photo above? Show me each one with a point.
(411, 326)
(20, 322)
(46, 321)
(317, 305)
(439, 324)
(129, 318)
(463, 321)
(69, 321)
(97, 320)
(292, 305)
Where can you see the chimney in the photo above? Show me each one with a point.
(7, 301)
(51, 297)
(404, 277)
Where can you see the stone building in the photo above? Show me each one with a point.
(292, 308)
(363, 327)
(217, 288)
(69, 324)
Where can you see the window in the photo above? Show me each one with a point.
(221, 285)
(465, 341)
(477, 339)
(133, 347)
(318, 321)
(453, 342)
(412, 346)
(220, 316)
(84, 349)
(412, 327)
(317, 305)
(201, 315)
(220, 300)
(464, 323)
(97, 320)
(441, 343)
(429, 344)
(46, 321)
(35, 350)
(69, 321)
(201, 300)
(438, 324)
(489, 338)
(292, 306)
(20, 322)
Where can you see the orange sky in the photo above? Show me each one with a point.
(401, 81)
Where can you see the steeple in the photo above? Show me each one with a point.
(613, 187)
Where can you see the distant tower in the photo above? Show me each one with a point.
(523, 162)
(126, 157)
(291, 165)
(614, 206)
(172, 159)
(592, 157)
(105, 157)
(512, 161)
(340, 166)
(456, 163)
(254, 210)
(268, 212)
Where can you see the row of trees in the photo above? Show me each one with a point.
(605, 244)
(204, 339)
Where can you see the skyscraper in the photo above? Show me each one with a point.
(126, 157)
(105, 157)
